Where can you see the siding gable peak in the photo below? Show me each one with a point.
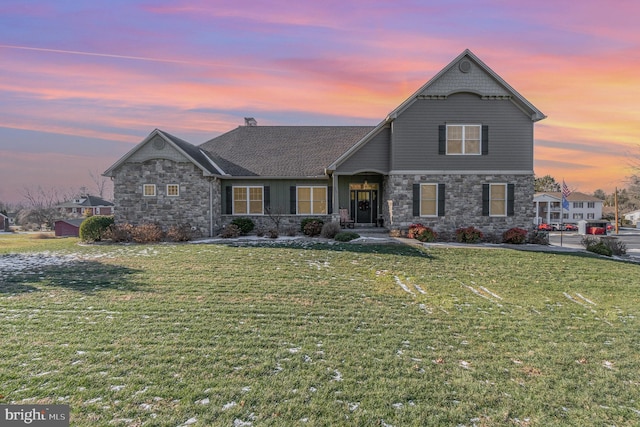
(467, 73)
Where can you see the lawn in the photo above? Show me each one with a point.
(318, 334)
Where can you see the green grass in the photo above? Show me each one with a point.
(322, 335)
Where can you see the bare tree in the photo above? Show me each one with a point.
(42, 205)
(100, 183)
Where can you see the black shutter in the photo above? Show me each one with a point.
(442, 139)
(329, 200)
(416, 199)
(485, 140)
(511, 195)
(267, 198)
(292, 200)
(229, 200)
(485, 199)
(440, 199)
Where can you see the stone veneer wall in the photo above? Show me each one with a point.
(287, 222)
(463, 202)
(191, 207)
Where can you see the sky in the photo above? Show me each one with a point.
(83, 82)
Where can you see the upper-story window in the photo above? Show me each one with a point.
(173, 190)
(578, 205)
(464, 139)
(591, 205)
(149, 190)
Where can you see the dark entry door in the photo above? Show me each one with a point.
(365, 206)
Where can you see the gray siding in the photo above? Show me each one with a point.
(415, 135)
(373, 156)
(278, 189)
(149, 151)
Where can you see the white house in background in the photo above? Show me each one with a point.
(548, 208)
(634, 217)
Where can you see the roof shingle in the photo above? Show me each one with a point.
(282, 151)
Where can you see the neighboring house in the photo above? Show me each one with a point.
(68, 227)
(456, 153)
(87, 205)
(633, 217)
(548, 208)
(4, 222)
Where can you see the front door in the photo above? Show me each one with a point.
(364, 205)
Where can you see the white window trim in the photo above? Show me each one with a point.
(247, 211)
(173, 195)
(436, 212)
(464, 145)
(506, 198)
(144, 192)
(312, 187)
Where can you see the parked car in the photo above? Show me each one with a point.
(571, 227)
(545, 227)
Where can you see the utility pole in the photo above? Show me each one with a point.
(615, 202)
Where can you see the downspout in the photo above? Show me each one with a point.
(211, 207)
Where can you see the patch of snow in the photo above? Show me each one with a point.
(229, 405)
(239, 423)
(204, 401)
(116, 387)
(337, 376)
(403, 286)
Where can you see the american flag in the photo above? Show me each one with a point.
(565, 195)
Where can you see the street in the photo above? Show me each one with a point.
(571, 239)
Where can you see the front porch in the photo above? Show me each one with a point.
(361, 196)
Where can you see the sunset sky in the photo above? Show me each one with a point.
(82, 82)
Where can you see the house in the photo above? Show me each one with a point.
(4, 222)
(68, 227)
(87, 205)
(457, 152)
(633, 217)
(548, 208)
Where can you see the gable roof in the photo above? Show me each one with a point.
(190, 151)
(282, 151)
(505, 90)
(88, 201)
(518, 99)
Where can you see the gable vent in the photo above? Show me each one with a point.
(464, 66)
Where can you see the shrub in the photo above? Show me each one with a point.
(230, 231)
(515, 235)
(273, 233)
(607, 246)
(93, 228)
(306, 221)
(245, 225)
(119, 233)
(346, 236)
(468, 235)
(600, 248)
(179, 233)
(617, 247)
(427, 235)
(147, 233)
(311, 226)
(414, 230)
(538, 237)
(330, 229)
